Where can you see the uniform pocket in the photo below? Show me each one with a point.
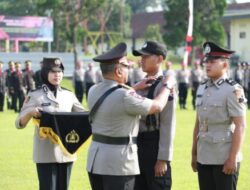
(222, 137)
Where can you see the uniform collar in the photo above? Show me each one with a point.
(110, 82)
(217, 82)
(46, 88)
(159, 73)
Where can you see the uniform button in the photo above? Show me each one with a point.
(208, 95)
(204, 108)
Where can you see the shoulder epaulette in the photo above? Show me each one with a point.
(65, 89)
(204, 82)
(231, 82)
(39, 88)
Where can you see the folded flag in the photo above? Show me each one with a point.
(68, 129)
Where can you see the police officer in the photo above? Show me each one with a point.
(183, 77)
(2, 87)
(18, 87)
(196, 78)
(89, 78)
(9, 81)
(156, 132)
(78, 80)
(53, 165)
(220, 123)
(169, 71)
(28, 76)
(112, 157)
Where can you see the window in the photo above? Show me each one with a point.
(242, 35)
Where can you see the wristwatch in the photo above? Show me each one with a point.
(166, 85)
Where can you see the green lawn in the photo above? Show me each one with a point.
(18, 171)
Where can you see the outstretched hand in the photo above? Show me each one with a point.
(145, 83)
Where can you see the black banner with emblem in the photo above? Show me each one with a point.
(69, 130)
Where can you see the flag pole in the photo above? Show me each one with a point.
(189, 37)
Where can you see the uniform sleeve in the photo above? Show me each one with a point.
(167, 131)
(236, 102)
(136, 104)
(29, 103)
(77, 106)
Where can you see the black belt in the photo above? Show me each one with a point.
(113, 140)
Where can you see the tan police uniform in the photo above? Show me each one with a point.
(118, 116)
(165, 123)
(44, 151)
(217, 102)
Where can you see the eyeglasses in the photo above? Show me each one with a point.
(124, 65)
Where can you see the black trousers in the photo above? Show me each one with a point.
(183, 91)
(54, 176)
(88, 86)
(147, 152)
(194, 91)
(1, 101)
(18, 97)
(79, 90)
(211, 177)
(109, 182)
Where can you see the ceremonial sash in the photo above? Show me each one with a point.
(69, 130)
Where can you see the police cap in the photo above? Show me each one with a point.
(151, 48)
(116, 53)
(213, 51)
(52, 64)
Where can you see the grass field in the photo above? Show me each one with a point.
(18, 171)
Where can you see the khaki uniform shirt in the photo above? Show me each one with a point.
(217, 102)
(44, 151)
(183, 76)
(166, 123)
(118, 116)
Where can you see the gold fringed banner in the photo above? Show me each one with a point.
(69, 130)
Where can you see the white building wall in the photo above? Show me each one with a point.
(240, 37)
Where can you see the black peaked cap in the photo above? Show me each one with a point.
(151, 48)
(211, 50)
(54, 64)
(117, 52)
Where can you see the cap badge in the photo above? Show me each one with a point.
(57, 62)
(145, 45)
(207, 49)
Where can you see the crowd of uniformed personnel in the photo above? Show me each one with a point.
(133, 129)
(16, 82)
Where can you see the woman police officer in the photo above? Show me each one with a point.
(53, 166)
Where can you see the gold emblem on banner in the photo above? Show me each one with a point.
(72, 137)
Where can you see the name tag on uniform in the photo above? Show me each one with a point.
(46, 104)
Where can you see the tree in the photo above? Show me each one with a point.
(153, 33)
(18, 8)
(207, 25)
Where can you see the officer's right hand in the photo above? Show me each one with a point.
(194, 163)
(145, 83)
